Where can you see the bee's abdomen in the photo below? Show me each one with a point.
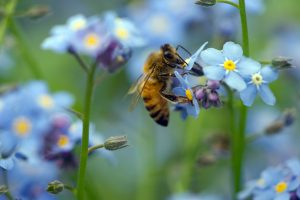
(155, 104)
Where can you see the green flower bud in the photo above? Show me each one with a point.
(55, 187)
(36, 12)
(206, 2)
(115, 143)
(282, 62)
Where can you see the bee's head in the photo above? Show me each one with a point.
(170, 56)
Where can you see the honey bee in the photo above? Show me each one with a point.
(155, 82)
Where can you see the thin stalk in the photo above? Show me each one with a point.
(5, 180)
(25, 50)
(93, 148)
(82, 64)
(85, 132)
(238, 136)
(229, 3)
(9, 11)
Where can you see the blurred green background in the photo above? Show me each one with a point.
(162, 161)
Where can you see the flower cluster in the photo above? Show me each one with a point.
(226, 67)
(38, 132)
(108, 40)
(279, 183)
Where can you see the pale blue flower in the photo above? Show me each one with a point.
(278, 183)
(124, 30)
(191, 61)
(257, 83)
(184, 90)
(228, 65)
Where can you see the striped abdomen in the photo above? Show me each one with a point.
(154, 103)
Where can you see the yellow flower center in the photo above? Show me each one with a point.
(22, 126)
(92, 40)
(122, 33)
(257, 79)
(159, 24)
(186, 62)
(189, 94)
(77, 25)
(46, 101)
(63, 141)
(281, 187)
(229, 65)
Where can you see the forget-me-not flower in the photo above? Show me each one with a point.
(257, 83)
(228, 65)
(184, 90)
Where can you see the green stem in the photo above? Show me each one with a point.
(238, 136)
(5, 179)
(229, 3)
(9, 11)
(85, 132)
(25, 50)
(93, 148)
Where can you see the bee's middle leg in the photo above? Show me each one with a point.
(173, 98)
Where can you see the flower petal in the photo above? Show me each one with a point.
(179, 91)
(232, 51)
(269, 74)
(248, 95)
(267, 95)
(248, 66)
(195, 56)
(214, 73)
(235, 81)
(283, 196)
(183, 82)
(212, 56)
(193, 109)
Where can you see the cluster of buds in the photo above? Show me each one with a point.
(208, 95)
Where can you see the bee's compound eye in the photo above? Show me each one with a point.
(168, 55)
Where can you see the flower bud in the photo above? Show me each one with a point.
(206, 2)
(38, 12)
(274, 128)
(200, 93)
(55, 187)
(282, 62)
(115, 143)
(213, 85)
(289, 117)
(213, 96)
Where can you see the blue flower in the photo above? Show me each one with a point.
(184, 90)
(278, 183)
(228, 65)
(191, 61)
(257, 82)
(124, 30)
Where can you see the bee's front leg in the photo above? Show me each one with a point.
(173, 98)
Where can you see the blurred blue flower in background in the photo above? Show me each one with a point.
(279, 183)
(257, 82)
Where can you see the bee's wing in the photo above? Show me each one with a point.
(141, 82)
